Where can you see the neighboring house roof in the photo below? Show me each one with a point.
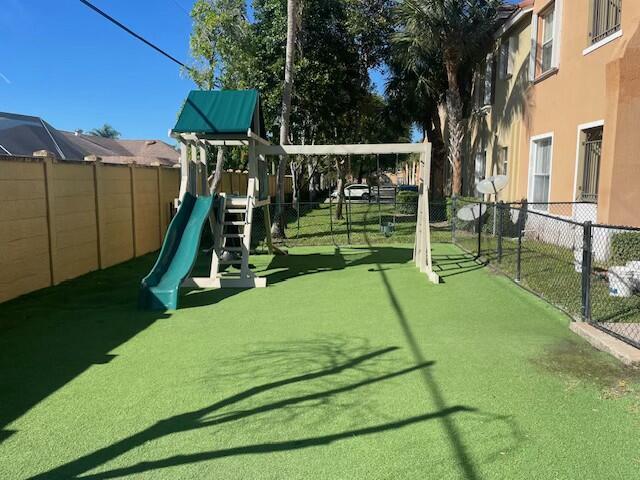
(115, 150)
(221, 112)
(21, 135)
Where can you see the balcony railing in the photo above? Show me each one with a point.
(605, 18)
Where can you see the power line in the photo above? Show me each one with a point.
(131, 32)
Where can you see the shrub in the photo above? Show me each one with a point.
(625, 247)
(407, 202)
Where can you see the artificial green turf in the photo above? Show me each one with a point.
(349, 365)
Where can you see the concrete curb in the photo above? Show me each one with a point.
(602, 341)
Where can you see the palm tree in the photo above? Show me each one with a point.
(459, 34)
(414, 92)
(277, 228)
(105, 131)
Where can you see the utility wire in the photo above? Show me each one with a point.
(131, 32)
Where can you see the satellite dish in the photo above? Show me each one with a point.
(492, 185)
(471, 213)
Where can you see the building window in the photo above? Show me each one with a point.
(480, 168)
(546, 43)
(589, 171)
(503, 161)
(506, 58)
(484, 83)
(605, 17)
(488, 80)
(540, 172)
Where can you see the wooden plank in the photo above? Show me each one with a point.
(347, 149)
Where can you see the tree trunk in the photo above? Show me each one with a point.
(456, 123)
(313, 183)
(340, 169)
(278, 226)
(296, 174)
(433, 132)
(217, 175)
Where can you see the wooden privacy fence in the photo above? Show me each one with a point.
(235, 182)
(62, 219)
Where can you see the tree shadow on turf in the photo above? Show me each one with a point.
(341, 369)
(286, 267)
(49, 337)
(450, 265)
(459, 448)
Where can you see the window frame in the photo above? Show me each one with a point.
(536, 74)
(533, 151)
(580, 152)
(611, 31)
(544, 15)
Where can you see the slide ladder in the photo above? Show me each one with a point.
(232, 244)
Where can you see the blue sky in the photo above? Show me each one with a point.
(63, 62)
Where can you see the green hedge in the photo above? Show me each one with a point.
(625, 247)
(407, 202)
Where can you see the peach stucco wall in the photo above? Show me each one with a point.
(579, 94)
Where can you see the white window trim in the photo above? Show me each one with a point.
(581, 128)
(534, 47)
(558, 7)
(602, 43)
(532, 152)
(557, 33)
(552, 40)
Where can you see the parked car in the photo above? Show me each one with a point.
(356, 191)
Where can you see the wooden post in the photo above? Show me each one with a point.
(49, 179)
(204, 183)
(161, 211)
(184, 170)
(193, 163)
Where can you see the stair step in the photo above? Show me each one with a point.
(233, 235)
(233, 249)
(236, 210)
(237, 223)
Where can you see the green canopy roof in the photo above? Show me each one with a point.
(221, 112)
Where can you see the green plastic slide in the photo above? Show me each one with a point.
(159, 289)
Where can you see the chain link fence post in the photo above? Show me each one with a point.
(480, 230)
(348, 219)
(454, 213)
(586, 271)
(520, 227)
(500, 213)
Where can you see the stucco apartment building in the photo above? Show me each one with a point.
(558, 108)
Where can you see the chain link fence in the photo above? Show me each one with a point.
(359, 223)
(590, 271)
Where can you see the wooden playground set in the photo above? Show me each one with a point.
(233, 118)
